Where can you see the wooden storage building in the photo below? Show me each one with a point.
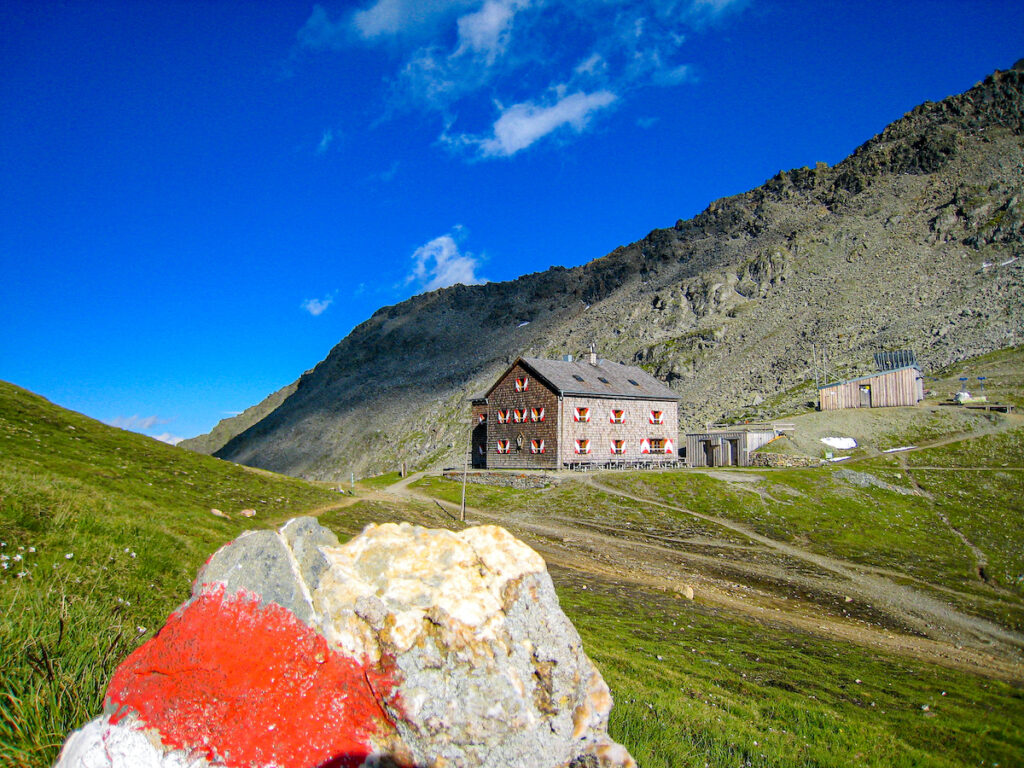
(546, 414)
(899, 386)
(729, 446)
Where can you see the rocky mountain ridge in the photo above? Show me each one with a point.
(914, 241)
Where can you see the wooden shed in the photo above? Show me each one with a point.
(729, 446)
(899, 386)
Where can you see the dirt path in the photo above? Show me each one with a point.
(853, 603)
(925, 614)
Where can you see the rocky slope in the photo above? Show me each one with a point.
(914, 241)
(226, 429)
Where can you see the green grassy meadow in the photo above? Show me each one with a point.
(104, 530)
(101, 534)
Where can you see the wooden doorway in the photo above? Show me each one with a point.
(709, 453)
(732, 452)
(865, 395)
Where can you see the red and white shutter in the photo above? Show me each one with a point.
(668, 446)
(645, 445)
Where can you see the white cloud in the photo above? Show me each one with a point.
(524, 124)
(395, 17)
(454, 57)
(317, 307)
(390, 173)
(717, 6)
(320, 33)
(439, 264)
(487, 30)
(593, 65)
(168, 438)
(326, 139)
(674, 76)
(136, 422)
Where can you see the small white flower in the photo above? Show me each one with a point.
(127, 550)
(31, 549)
(5, 564)
(4, 558)
(21, 549)
(22, 574)
(16, 558)
(140, 630)
(69, 555)
(133, 554)
(120, 600)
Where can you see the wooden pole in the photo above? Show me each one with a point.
(465, 470)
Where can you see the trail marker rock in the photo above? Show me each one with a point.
(404, 647)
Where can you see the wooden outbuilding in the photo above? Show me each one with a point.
(899, 386)
(730, 446)
(547, 414)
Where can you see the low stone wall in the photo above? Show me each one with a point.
(782, 460)
(522, 480)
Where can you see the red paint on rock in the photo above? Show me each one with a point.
(253, 686)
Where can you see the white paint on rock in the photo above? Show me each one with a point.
(101, 744)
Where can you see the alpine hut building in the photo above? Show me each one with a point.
(548, 414)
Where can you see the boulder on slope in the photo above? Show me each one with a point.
(405, 646)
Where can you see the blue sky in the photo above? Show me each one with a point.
(199, 199)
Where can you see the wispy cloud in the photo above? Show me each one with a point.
(320, 33)
(718, 6)
(521, 125)
(440, 263)
(137, 422)
(326, 139)
(168, 438)
(400, 17)
(558, 63)
(389, 174)
(317, 307)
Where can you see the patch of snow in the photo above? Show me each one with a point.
(901, 448)
(522, 324)
(1007, 262)
(841, 458)
(841, 443)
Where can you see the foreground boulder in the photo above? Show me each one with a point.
(404, 647)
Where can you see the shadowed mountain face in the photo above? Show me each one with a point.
(914, 241)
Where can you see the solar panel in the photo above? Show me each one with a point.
(899, 358)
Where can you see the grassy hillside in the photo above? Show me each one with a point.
(101, 533)
(757, 676)
(696, 682)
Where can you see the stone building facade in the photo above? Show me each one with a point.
(547, 414)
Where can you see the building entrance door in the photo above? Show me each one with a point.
(865, 395)
(709, 453)
(732, 456)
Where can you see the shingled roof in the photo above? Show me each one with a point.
(606, 379)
